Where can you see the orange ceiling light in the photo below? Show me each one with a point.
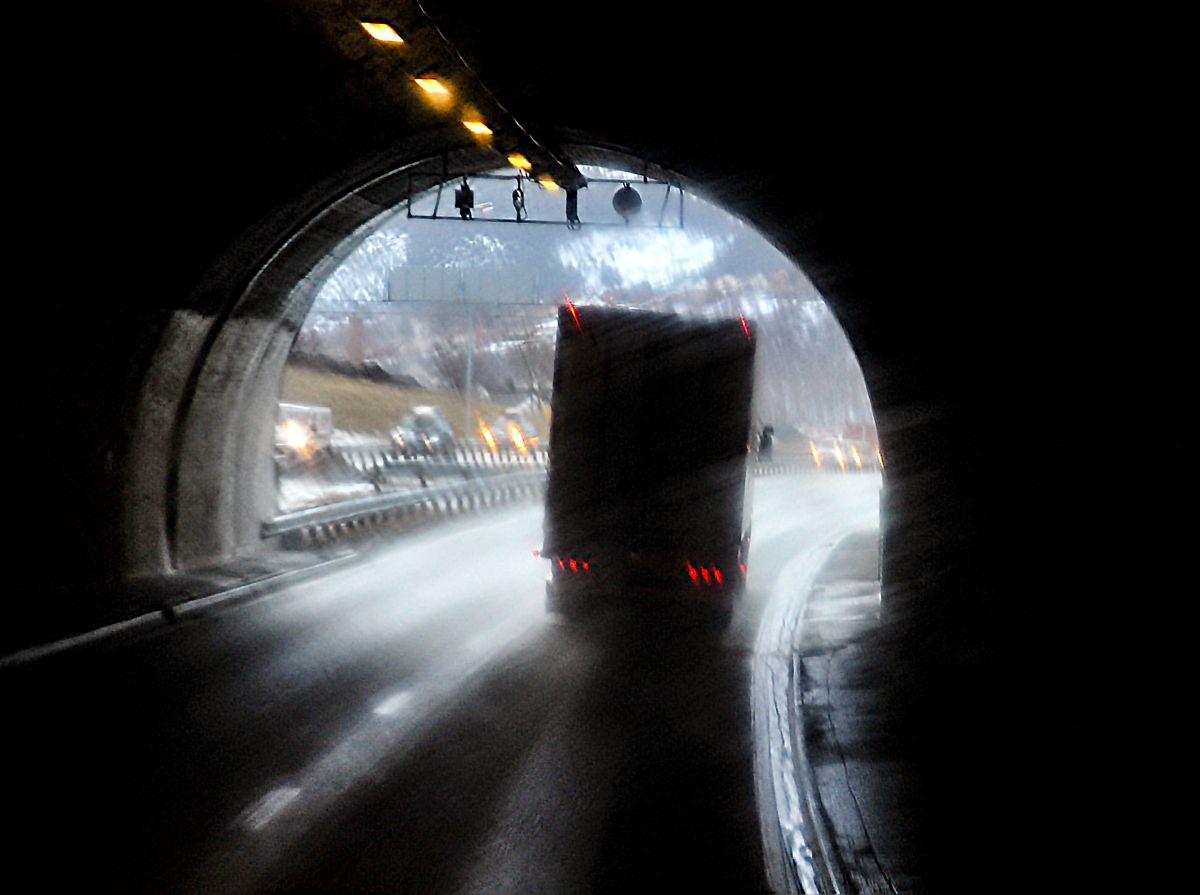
(477, 127)
(433, 85)
(382, 32)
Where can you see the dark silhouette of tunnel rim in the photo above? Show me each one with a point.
(208, 456)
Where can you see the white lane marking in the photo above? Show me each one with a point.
(843, 616)
(394, 703)
(791, 821)
(392, 726)
(268, 807)
(781, 804)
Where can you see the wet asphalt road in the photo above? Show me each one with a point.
(411, 723)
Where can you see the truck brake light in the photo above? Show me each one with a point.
(706, 574)
(574, 563)
(574, 313)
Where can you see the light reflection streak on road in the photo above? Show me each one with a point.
(445, 574)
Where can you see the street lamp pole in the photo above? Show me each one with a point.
(469, 422)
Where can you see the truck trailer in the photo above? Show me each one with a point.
(649, 483)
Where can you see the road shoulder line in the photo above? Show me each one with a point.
(795, 834)
(171, 614)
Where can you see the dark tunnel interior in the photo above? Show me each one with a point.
(987, 202)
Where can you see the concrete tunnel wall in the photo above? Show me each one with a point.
(202, 481)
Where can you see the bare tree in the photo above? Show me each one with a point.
(450, 360)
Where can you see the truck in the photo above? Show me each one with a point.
(517, 430)
(302, 431)
(424, 432)
(649, 481)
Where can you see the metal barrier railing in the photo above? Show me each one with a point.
(330, 522)
(338, 519)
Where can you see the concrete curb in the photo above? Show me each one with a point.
(438, 504)
(796, 832)
(169, 615)
(828, 860)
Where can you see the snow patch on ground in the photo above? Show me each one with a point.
(299, 493)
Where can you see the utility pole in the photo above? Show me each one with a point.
(469, 422)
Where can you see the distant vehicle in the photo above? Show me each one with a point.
(424, 432)
(828, 452)
(302, 430)
(649, 489)
(844, 454)
(515, 430)
(859, 454)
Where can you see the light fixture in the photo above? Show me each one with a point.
(626, 202)
(478, 128)
(464, 200)
(518, 199)
(573, 208)
(519, 161)
(432, 85)
(382, 32)
(548, 182)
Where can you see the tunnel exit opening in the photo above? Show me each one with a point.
(432, 339)
(334, 301)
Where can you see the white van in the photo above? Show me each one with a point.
(303, 429)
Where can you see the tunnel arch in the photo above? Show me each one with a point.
(202, 481)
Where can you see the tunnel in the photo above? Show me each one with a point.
(996, 250)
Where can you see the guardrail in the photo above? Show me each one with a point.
(321, 525)
(782, 467)
(369, 458)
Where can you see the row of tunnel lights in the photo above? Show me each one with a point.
(439, 93)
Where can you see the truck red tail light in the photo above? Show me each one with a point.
(574, 313)
(573, 563)
(706, 575)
